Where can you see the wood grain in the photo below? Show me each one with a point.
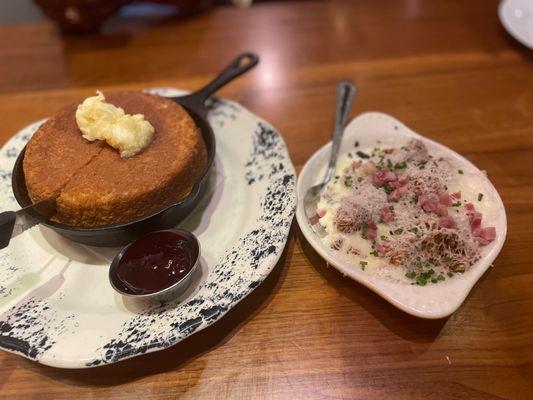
(445, 68)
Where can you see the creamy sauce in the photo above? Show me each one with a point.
(352, 182)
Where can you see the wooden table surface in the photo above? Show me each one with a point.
(445, 68)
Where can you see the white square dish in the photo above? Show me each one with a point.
(432, 301)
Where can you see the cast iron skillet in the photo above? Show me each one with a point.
(121, 234)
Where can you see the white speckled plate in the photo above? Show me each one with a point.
(56, 305)
(431, 301)
(517, 18)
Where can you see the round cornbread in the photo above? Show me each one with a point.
(96, 186)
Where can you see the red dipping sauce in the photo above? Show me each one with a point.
(155, 262)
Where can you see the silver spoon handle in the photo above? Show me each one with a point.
(345, 96)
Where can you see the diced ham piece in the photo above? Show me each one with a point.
(313, 219)
(382, 248)
(371, 231)
(371, 234)
(441, 210)
(456, 195)
(321, 213)
(386, 214)
(381, 177)
(397, 194)
(356, 164)
(430, 205)
(433, 204)
(474, 217)
(469, 207)
(445, 199)
(403, 179)
(392, 180)
(422, 200)
(394, 184)
(399, 181)
(378, 178)
(447, 222)
(485, 235)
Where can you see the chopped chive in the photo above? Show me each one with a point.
(450, 274)
(441, 277)
(434, 280)
(362, 155)
(359, 179)
(410, 274)
(421, 281)
(383, 237)
(374, 253)
(427, 274)
(398, 231)
(400, 165)
(413, 230)
(350, 155)
(348, 181)
(480, 196)
(389, 164)
(456, 204)
(356, 144)
(363, 264)
(460, 171)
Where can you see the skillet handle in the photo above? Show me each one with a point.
(7, 223)
(242, 63)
